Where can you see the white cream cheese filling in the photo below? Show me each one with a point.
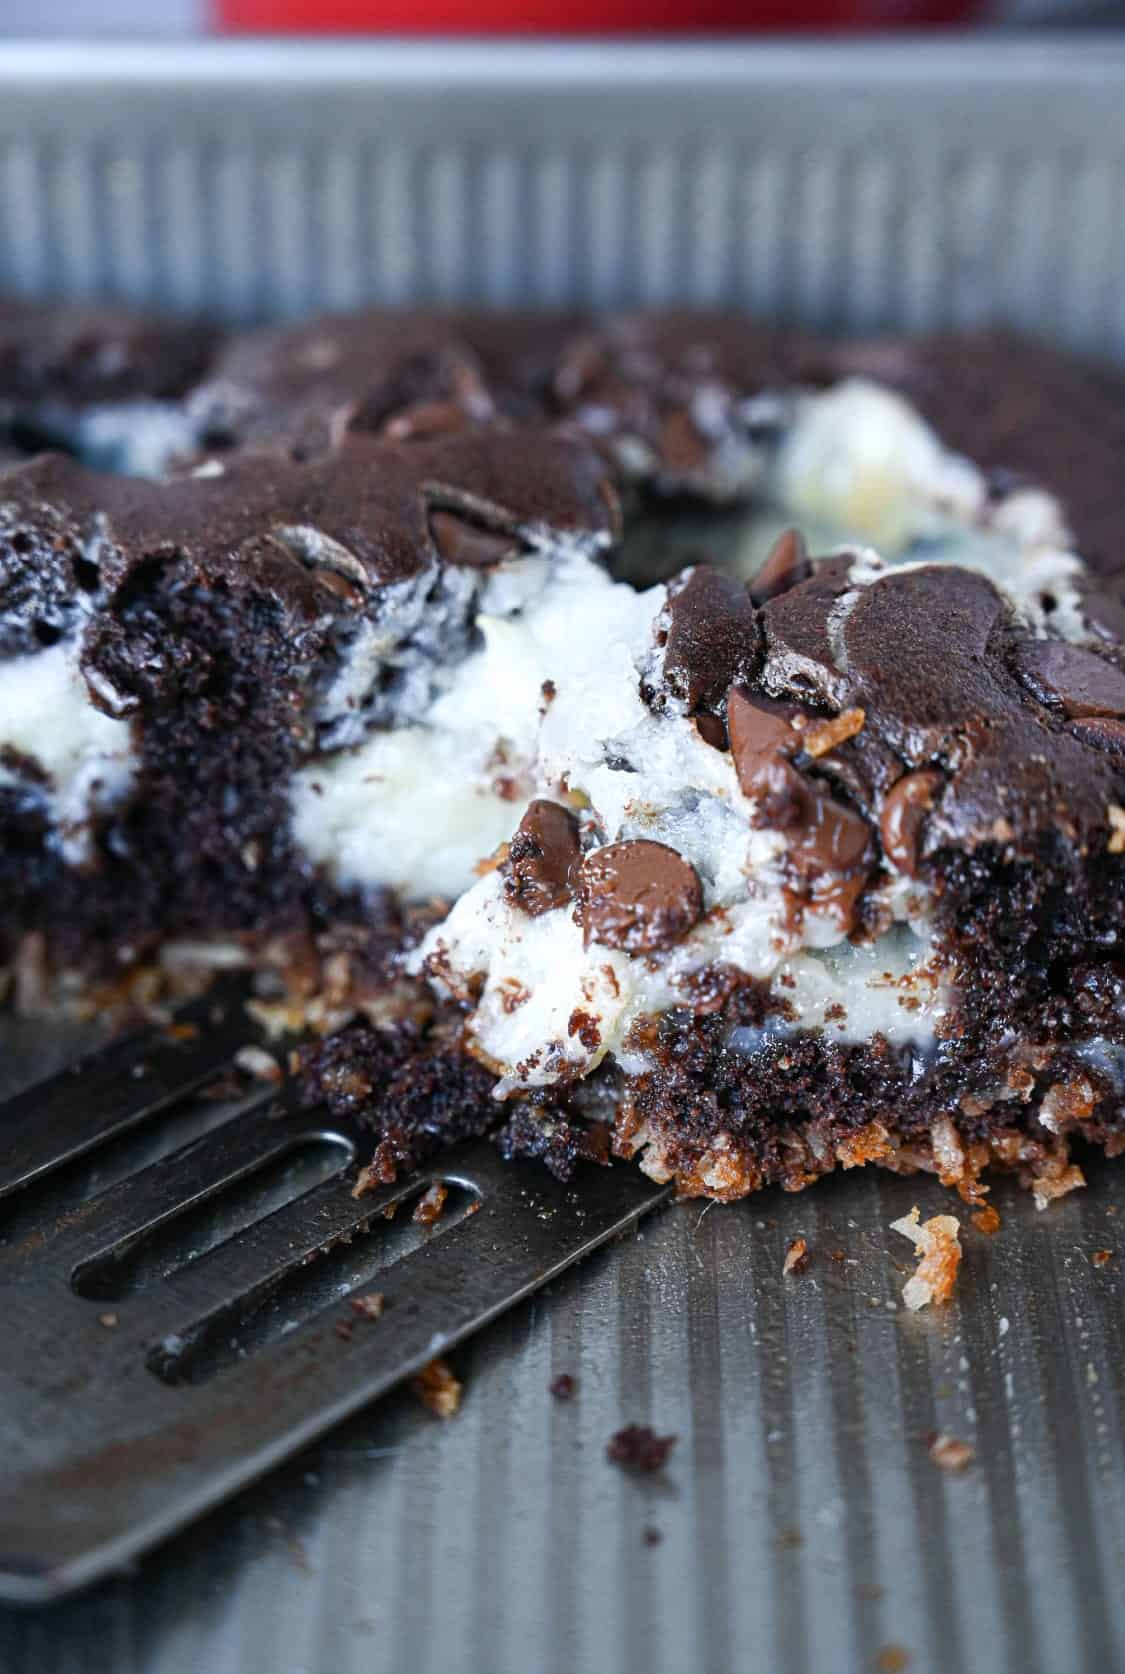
(81, 762)
(859, 458)
(545, 1005)
(548, 1007)
(858, 464)
(418, 807)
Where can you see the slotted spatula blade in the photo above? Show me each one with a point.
(144, 1380)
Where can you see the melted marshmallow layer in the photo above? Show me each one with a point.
(59, 751)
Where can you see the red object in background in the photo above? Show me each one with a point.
(582, 17)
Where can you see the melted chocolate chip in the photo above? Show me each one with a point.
(1102, 732)
(543, 859)
(713, 638)
(830, 839)
(829, 845)
(345, 590)
(1066, 676)
(903, 816)
(761, 737)
(712, 731)
(787, 564)
(459, 542)
(638, 896)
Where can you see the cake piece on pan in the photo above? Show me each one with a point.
(831, 879)
(220, 696)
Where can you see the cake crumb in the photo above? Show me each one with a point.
(181, 1031)
(256, 1061)
(437, 1389)
(819, 740)
(1101, 1257)
(1116, 844)
(371, 1306)
(1057, 1180)
(987, 1220)
(108, 1320)
(949, 1453)
(892, 1659)
(429, 1206)
(225, 1088)
(651, 1536)
(938, 1245)
(563, 1387)
(638, 1448)
(796, 1256)
(367, 1180)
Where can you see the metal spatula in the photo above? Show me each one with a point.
(173, 1336)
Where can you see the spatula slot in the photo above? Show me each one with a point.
(272, 1310)
(119, 1157)
(135, 1263)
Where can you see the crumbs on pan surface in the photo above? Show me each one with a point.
(638, 1448)
(950, 1453)
(937, 1242)
(438, 1389)
(429, 1206)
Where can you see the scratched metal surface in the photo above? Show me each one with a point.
(803, 1528)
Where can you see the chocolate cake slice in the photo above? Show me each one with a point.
(823, 867)
(476, 691)
(221, 695)
(828, 880)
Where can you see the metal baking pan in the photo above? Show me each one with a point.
(802, 1526)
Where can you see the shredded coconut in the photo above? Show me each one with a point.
(949, 1453)
(938, 1244)
(437, 1389)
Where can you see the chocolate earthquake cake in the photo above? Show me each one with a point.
(659, 734)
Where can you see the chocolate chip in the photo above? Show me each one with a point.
(760, 736)
(787, 564)
(829, 844)
(1066, 676)
(339, 584)
(543, 858)
(713, 638)
(830, 851)
(459, 542)
(712, 731)
(903, 815)
(1102, 732)
(638, 896)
